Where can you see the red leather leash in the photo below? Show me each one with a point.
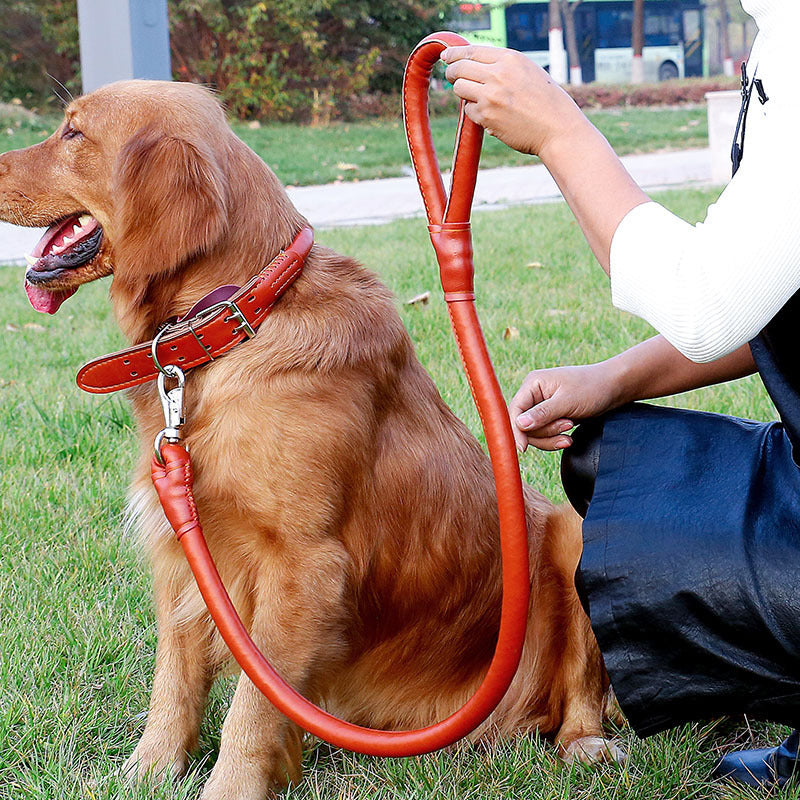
(449, 227)
(201, 337)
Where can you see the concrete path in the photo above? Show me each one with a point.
(379, 201)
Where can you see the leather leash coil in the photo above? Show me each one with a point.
(449, 227)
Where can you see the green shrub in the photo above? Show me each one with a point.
(306, 60)
(38, 50)
(667, 93)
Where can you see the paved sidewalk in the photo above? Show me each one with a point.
(379, 201)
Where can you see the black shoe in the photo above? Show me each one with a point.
(764, 768)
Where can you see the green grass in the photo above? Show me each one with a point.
(21, 128)
(77, 633)
(355, 151)
(378, 149)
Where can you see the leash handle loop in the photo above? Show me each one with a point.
(448, 215)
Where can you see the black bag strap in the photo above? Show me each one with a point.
(737, 148)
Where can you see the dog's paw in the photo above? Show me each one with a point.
(155, 761)
(236, 784)
(592, 750)
(239, 776)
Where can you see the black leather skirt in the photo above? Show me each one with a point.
(691, 567)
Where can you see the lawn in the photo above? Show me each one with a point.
(78, 632)
(354, 151)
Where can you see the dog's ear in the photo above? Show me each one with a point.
(169, 203)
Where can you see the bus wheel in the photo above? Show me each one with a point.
(668, 71)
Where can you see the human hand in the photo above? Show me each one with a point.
(551, 402)
(509, 95)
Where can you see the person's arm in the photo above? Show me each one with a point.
(708, 288)
(552, 401)
(517, 101)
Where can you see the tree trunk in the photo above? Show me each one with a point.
(558, 56)
(575, 71)
(725, 38)
(637, 69)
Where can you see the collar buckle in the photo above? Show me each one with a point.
(235, 313)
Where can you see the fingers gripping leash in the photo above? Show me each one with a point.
(448, 219)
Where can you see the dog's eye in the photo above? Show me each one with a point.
(70, 132)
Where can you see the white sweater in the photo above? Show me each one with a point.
(711, 287)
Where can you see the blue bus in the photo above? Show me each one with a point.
(673, 35)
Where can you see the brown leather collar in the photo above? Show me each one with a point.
(209, 333)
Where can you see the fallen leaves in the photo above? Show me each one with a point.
(419, 299)
(28, 326)
(511, 333)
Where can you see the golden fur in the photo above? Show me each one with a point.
(351, 514)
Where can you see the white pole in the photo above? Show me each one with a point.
(637, 70)
(558, 55)
(123, 39)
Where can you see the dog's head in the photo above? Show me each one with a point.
(132, 182)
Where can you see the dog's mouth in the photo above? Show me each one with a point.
(67, 244)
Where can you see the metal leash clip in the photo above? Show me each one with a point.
(171, 401)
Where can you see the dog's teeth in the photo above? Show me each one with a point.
(84, 219)
(76, 228)
(67, 240)
(30, 259)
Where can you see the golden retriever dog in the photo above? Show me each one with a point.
(351, 514)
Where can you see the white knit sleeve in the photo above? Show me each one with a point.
(711, 287)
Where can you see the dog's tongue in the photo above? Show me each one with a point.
(44, 301)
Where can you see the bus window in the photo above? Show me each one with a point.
(662, 27)
(614, 26)
(527, 27)
(693, 41)
(471, 17)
